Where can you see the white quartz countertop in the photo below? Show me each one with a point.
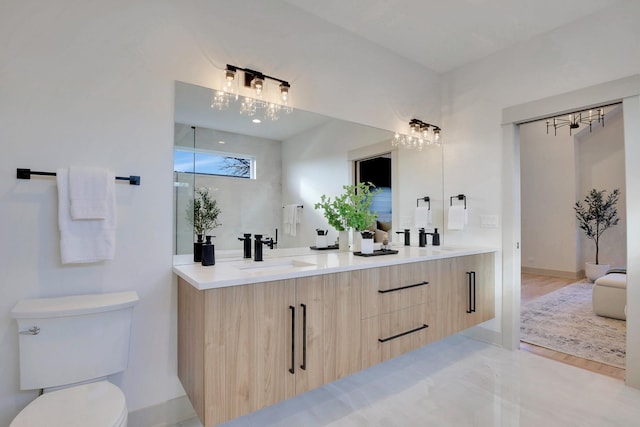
(291, 263)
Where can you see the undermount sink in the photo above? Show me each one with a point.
(274, 264)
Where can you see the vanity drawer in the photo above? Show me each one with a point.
(387, 289)
(395, 333)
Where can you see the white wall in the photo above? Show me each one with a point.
(548, 189)
(600, 161)
(475, 95)
(92, 83)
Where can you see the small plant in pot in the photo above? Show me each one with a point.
(350, 210)
(596, 214)
(202, 214)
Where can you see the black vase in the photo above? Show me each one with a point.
(208, 253)
(197, 249)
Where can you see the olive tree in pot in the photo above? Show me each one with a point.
(595, 215)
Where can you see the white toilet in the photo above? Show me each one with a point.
(68, 346)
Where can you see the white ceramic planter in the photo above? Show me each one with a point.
(594, 271)
(366, 246)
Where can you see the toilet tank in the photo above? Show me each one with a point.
(67, 340)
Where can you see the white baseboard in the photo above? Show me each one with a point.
(554, 273)
(164, 414)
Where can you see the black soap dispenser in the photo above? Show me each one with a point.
(208, 253)
(435, 237)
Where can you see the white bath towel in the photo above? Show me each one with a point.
(457, 217)
(422, 217)
(290, 219)
(83, 240)
(91, 192)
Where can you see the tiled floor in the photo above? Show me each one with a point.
(459, 382)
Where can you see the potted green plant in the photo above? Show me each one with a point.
(597, 214)
(202, 214)
(350, 210)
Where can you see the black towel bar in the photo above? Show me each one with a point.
(26, 174)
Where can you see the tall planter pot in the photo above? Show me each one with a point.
(594, 271)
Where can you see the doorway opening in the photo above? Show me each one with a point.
(377, 171)
(556, 170)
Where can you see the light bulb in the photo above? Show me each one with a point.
(284, 92)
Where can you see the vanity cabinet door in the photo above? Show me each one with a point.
(465, 292)
(327, 329)
(342, 328)
(248, 348)
(309, 367)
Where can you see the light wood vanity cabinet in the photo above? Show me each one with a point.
(466, 291)
(245, 347)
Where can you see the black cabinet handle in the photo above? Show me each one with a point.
(304, 337)
(473, 273)
(401, 288)
(293, 339)
(419, 328)
(471, 282)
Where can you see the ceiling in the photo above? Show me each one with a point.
(446, 34)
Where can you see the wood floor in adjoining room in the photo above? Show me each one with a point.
(533, 286)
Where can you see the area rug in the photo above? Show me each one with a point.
(564, 321)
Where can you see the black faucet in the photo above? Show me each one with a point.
(435, 237)
(407, 236)
(247, 244)
(422, 238)
(257, 255)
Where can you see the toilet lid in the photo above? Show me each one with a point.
(99, 404)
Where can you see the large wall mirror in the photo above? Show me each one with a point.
(258, 171)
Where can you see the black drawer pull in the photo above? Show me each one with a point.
(304, 337)
(293, 339)
(401, 288)
(471, 283)
(419, 328)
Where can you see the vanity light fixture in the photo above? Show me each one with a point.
(257, 82)
(574, 120)
(420, 135)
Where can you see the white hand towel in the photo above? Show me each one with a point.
(91, 191)
(457, 217)
(422, 217)
(85, 240)
(290, 219)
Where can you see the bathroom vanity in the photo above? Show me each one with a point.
(252, 334)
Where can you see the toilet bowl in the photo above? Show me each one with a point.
(68, 347)
(99, 404)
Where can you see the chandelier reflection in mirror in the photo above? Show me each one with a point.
(420, 135)
(268, 105)
(574, 120)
